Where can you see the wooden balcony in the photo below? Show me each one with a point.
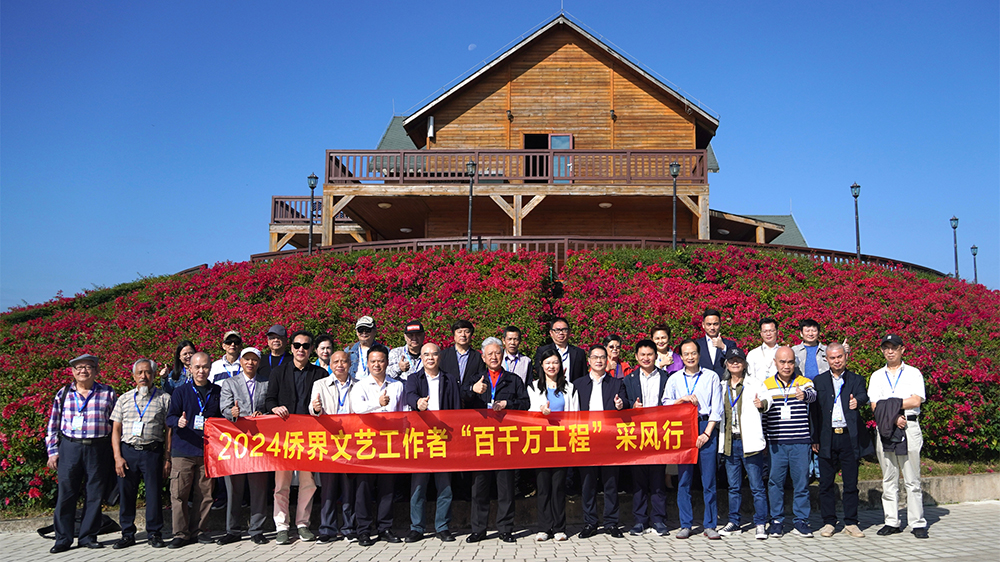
(599, 167)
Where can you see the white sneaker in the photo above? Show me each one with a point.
(542, 536)
(761, 532)
(560, 536)
(649, 531)
(730, 529)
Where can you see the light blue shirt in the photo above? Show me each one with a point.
(704, 385)
(463, 360)
(838, 404)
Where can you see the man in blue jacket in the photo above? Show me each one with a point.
(190, 405)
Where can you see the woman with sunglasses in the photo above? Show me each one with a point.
(616, 367)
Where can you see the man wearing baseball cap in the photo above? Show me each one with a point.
(900, 387)
(358, 353)
(277, 351)
(405, 360)
(78, 441)
(229, 364)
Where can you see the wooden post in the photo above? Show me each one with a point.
(760, 235)
(704, 232)
(517, 216)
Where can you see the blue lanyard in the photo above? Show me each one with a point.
(76, 399)
(784, 389)
(270, 362)
(688, 388)
(343, 395)
(729, 393)
(201, 405)
(136, 400)
(493, 388)
(837, 397)
(892, 386)
(251, 389)
(239, 369)
(508, 360)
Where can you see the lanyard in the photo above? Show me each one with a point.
(508, 361)
(493, 388)
(688, 388)
(363, 359)
(76, 399)
(784, 389)
(729, 393)
(270, 362)
(892, 385)
(415, 364)
(342, 396)
(136, 400)
(201, 405)
(239, 368)
(251, 388)
(837, 397)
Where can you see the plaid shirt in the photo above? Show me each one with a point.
(96, 415)
(154, 418)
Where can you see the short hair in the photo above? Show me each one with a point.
(378, 348)
(492, 340)
(610, 338)
(595, 347)
(558, 319)
(150, 362)
(645, 342)
(305, 333)
(809, 323)
(322, 338)
(660, 327)
(711, 312)
(510, 329)
(459, 324)
(696, 343)
(767, 320)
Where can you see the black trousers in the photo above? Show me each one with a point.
(649, 494)
(841, 458)
(336, 488)
(82, 465)
(588, 494)
(551, 486)
(366, 494)
(145, 465)
(480, 515)
(260, 490)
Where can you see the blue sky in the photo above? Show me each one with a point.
(143, 138)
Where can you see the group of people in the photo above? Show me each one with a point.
(766, 412)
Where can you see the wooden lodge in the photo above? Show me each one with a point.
(568, 137)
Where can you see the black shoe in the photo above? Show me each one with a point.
(59, 548)
(446, 536)
(323, 538)
(258, 539)
(365, 540)
(219, 504)
(920, 532)
(389, 537)
(888, 530)
(205, 538)
(228, 538)
(588, 531)
(124, 542)
(507, 537)
(156, 541)
(92, 544)
(177, 542)
(615, 532)
(414, 536)
(351, 537)
(476, 537)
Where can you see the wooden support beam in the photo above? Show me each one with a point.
(340, 205)
(760, 235)
(272, 241)
(704, 221)
(358, 236)
(504, 206)
(507, 189)
(689, 204)
(518, 216)
(282, 241)
(531, 205)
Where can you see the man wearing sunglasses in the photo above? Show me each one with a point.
(229, 365)
(358, 353)
(288, 392)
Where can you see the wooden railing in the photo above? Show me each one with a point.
(516, 166)
(293, 209)
(561, 246)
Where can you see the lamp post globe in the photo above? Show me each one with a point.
(975, 270)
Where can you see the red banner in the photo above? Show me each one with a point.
(451, 441)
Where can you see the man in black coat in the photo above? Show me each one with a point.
(460, 359)
(612, 397)
(713, 346)
(498, 390)
(574, 359)
(289, 392)
(839, 437)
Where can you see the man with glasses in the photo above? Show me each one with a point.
(78, 442)
(289, 392)
(760, 360)
(358, 353)
(405, 360)
(277, 351)
(229, 364)
(574, 359)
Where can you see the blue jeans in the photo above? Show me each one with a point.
(707, 459)
(755, 474)
(789, 460)
(418, 495)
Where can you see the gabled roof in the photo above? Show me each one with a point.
(394, 137)
(562, 20)
(792, 236)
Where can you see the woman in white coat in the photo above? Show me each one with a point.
(551, 392)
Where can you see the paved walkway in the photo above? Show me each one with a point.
(957, 532)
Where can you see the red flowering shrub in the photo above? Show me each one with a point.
(952, 329)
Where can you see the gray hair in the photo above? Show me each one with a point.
(491, 341)
(150, 362)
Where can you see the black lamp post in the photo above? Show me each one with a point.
(312, 197)
(954, 230)
(675, 170)
(470, 169)
(975, 270)
(856, 191)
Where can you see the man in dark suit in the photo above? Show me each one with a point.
(499, 390)
(288, 392)
(599, 392)
(713, 346)
(574, 359)
(644, 389)
(431, 389)
(460, 359)
(839, 437)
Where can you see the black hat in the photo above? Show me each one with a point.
(413, 327)
(736, 353)
(891, 338)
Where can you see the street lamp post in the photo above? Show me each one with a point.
(954, 230)
(975, 270)
(675, 170)
(856, 191)
(470, 169)
(312, 197)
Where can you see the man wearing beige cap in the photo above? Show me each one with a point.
(358, 353)
(229, 364)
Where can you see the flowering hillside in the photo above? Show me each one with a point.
(952, 329)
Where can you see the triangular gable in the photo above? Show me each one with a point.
(711, 120)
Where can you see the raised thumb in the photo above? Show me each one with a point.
(852, 397)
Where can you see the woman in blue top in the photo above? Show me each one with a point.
(179, 374)
(551, 392)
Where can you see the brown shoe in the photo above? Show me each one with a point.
(827, 530)
(854, 531)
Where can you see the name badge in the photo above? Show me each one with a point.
(786, 412)
(77, 424)
(838, 415)
(137, 429)
(199, 423)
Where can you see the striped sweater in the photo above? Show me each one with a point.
(795, 429)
